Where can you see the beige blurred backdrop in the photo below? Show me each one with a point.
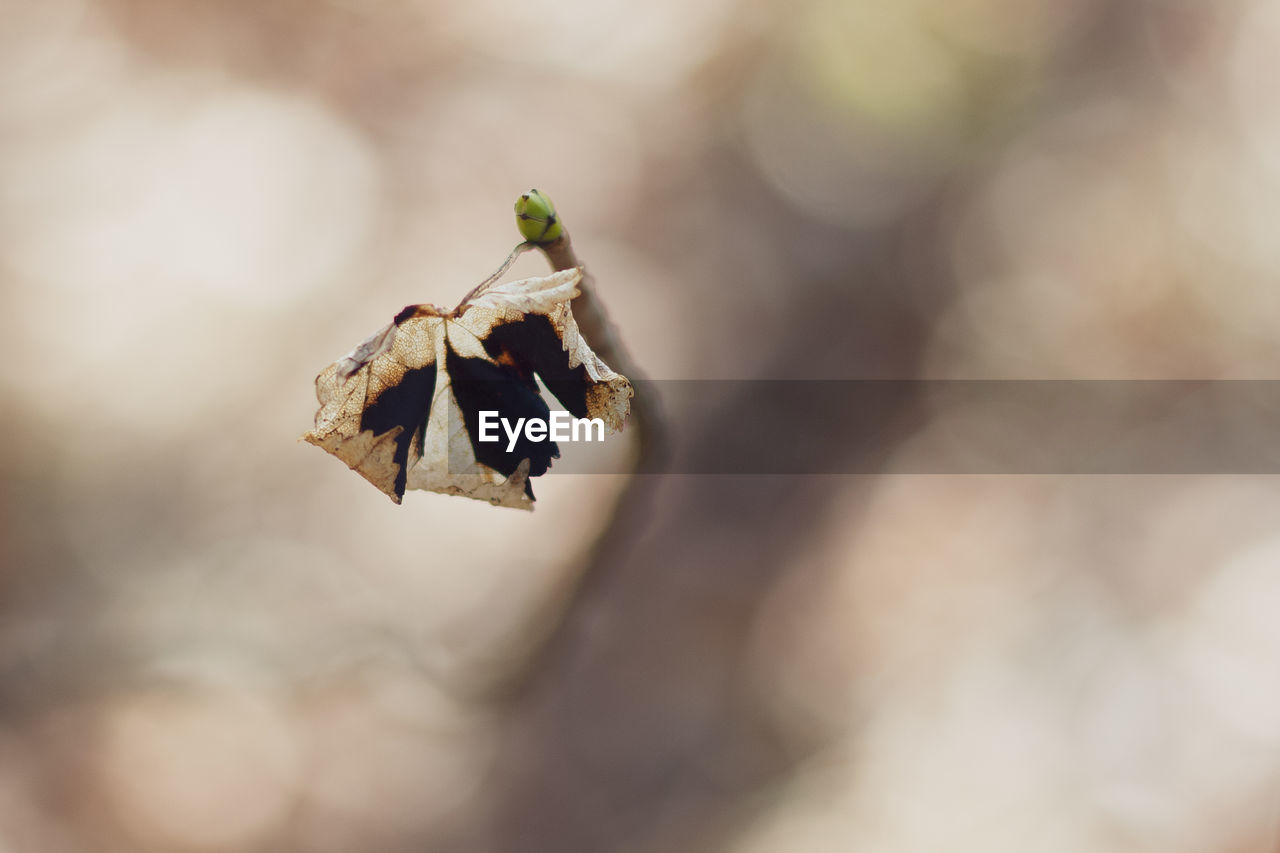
(215, 638)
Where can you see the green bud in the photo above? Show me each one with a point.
(536, 218)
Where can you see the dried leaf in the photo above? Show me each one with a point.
(403, 408)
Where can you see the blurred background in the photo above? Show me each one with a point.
(216, 638)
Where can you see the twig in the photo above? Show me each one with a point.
(600, 333)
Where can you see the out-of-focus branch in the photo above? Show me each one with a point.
(636, 722)
(528, 640)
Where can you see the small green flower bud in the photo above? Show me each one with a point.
(536, 218)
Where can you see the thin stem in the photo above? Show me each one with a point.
(519, 250)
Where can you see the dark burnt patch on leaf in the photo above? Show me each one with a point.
(533, 346)
(480, 385)
(405, 405)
